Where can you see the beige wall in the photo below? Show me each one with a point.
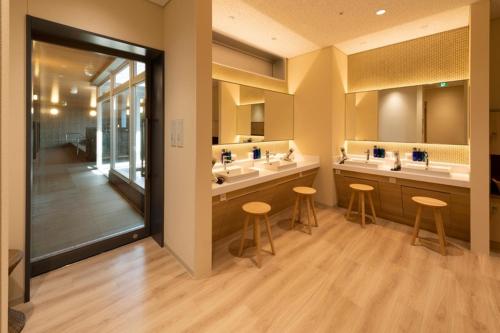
(101, 16)
(188, 205)
(317, 80)
(236, 59)
(397, 115)
(229, 98)
(229, 74)
(479, 125)
(278, 124)
(4, 68)
(362, 116)
(244, 119)
(446, 119)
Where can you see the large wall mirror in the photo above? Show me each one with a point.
(242, 114)
(433, 113)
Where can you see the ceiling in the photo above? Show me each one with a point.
(57, 70)
(290, 28)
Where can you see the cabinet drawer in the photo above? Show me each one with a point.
(391, 202)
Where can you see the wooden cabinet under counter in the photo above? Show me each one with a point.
(227, 216)
(392, 200)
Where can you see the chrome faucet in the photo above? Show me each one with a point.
(267, 156)
(367, 155)
(397, 162)
(426, 157)
(344, 155)
(289, 155)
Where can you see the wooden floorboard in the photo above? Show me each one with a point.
(341, 279)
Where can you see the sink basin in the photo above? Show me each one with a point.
(234, 174)
(431, 170)
(278, 165)
(363, 163)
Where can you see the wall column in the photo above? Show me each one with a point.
(479, 126)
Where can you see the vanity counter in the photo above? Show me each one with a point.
(453, 179)
(304, 163)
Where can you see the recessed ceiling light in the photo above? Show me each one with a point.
(54, 111)
(93, 113)
(380, 12)
(74, 91)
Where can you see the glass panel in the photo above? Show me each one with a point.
(122, 140)
(104, 136)
(140, 67)
(74, 203)
(140, 139)
(105, 88)
(122, 76)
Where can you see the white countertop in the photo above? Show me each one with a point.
(304, 163)
(453, 179)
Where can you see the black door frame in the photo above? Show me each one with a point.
(46, 31)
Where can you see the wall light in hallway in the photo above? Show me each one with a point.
(380, 12)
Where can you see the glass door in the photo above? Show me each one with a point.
(89, 154)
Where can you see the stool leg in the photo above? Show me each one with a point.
(314, 212)
(295, 210)
(362, 194)
(300, 208)
(416, 229)
(372, 207)
(440, 230)
(351, 201)
(308, 207)
(242, 242)
(269, 234)
(359, 204)
(257, 241)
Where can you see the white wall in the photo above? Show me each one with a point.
(397, 115)
(188, 93)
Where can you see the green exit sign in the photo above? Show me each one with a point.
(443, 84)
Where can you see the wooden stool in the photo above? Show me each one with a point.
(304, 194)
(256, 209)
(17, 319)
(436, 206)
(361, 190)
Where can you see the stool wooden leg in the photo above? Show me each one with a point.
(295, 210)
(308, 207)
(362, 209)
(416, 228)
(351, 201)
(372, 207)
(257, 241)
(242, 242)
(300, 208)
(359, 204)
(314, 212)
(440, 230)
(269, 234)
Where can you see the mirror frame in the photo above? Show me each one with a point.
(264, 141)
(467, 86)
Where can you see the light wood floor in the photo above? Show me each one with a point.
(73, 204)
(340, 279)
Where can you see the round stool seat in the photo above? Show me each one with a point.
(361, 187)
(304, 190)
(429, 202)
(256, 208)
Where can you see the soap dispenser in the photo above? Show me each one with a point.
(375, 151)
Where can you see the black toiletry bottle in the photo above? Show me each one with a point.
(419, 155)
(414, 156)
(375, 151)
(382, 152)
